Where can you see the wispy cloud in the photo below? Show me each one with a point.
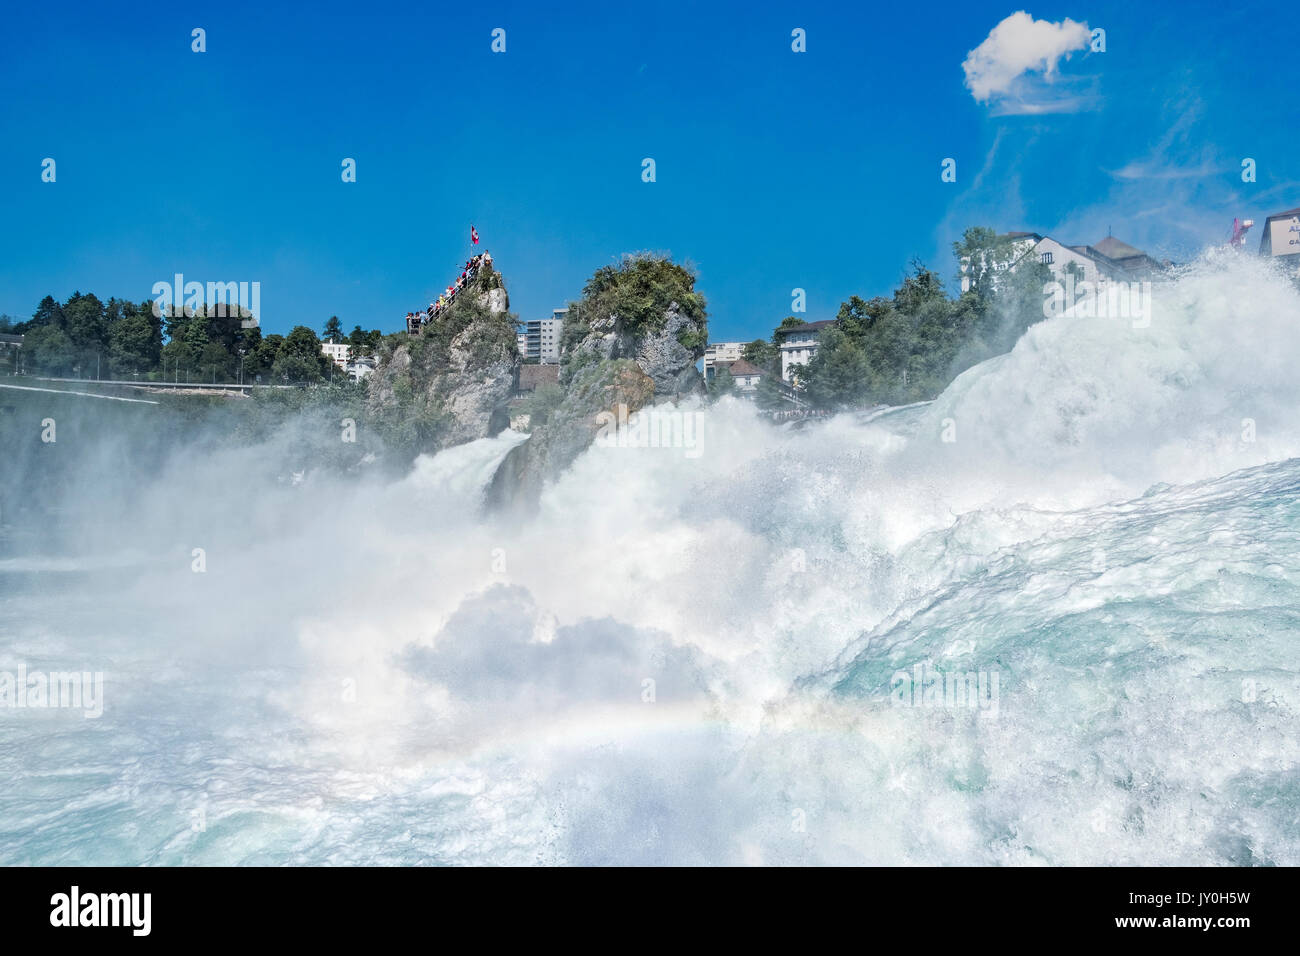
(1154, 169)
(1013, 69)
(1174, 199)
(1177, 154)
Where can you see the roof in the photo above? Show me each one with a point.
(741, 367)
(11, 339)
(533, 376)
(1285, 215)
(1113, 248)
(807, 327)
(1114, 254)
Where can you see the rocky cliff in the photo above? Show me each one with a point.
(666, 350)
(451, 383)
(562, 432)
(632, 340)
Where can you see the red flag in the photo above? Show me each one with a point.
(473, 235)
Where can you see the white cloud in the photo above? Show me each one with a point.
(1017, 46)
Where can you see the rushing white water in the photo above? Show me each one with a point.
(378, 673)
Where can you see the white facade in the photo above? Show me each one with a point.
(337, 351)
(798, 346)
(1281, 237)
(1091, 264)
(745, 375)
(540, 338)
(361, 369)
(717, 352)
(1057, 257)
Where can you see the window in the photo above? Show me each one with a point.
(1045, 258)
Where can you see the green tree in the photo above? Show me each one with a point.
(260, 361)
(48, 313)
(723, 383)
(789, 322)
(215, 362)
(334, 329)
(87, 328)
(922, 287)
(49, 349)
(763, 354)
(134, 341)
(839, 375)
(856, 316)
(187, 338)
(300, 358)
(363, 342)
(636, 295)
(981, 256)
(771, 394)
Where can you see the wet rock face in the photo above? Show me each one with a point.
(633, 340)
(568, 431)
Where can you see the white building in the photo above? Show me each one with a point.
(338, 352)
(540, 338)
(746, 375)
(718, 352)
(360, 369)
(799, 345)
(1109, 259)
(1281, 237)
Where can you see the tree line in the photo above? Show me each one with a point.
(85, 337)
(908, 346)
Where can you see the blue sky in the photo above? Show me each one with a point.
(775, 169)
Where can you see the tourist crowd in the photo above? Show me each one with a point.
(416, 320)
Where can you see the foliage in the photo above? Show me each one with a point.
(771, 395)
(789, 322)
(692, 339)
(764, 355)
(723, 383)
(909, 346)
(300, 358)
(639, 291)
(542, 403)
(130, 340)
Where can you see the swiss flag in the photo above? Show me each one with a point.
(473, 235)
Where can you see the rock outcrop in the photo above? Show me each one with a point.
(667, 353)
(633, 340)
(451, 383)
(560, 434)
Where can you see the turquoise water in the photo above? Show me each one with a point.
(697, 659)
